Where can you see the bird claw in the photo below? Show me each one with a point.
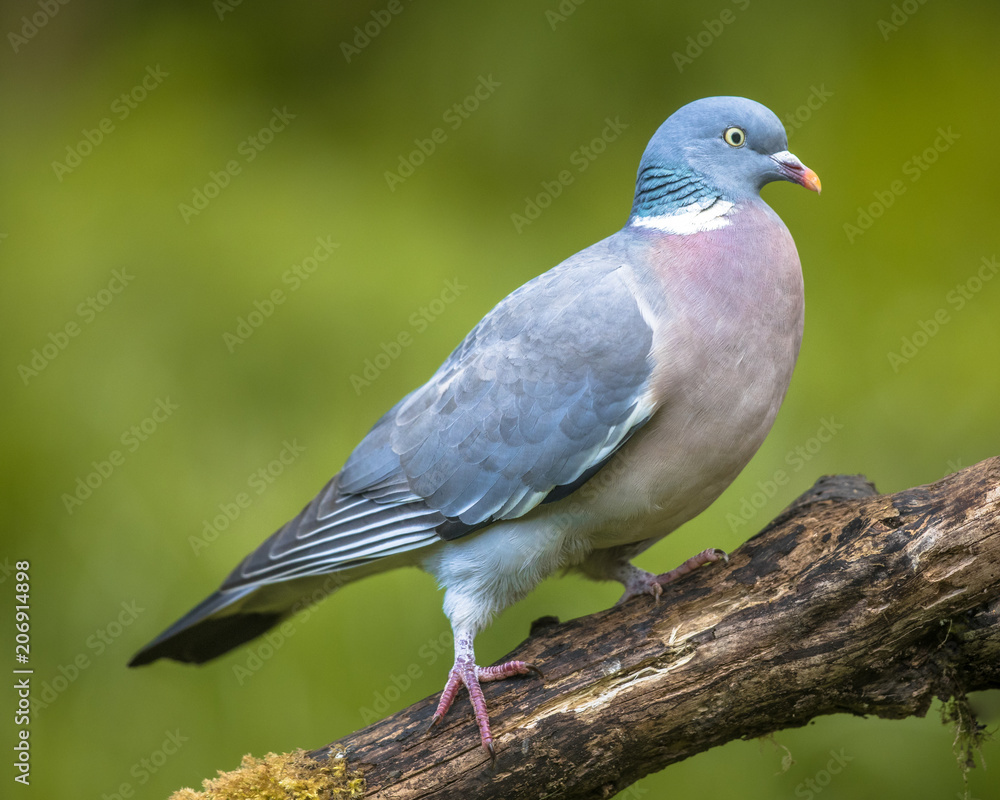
(641, 582)
(466, 673)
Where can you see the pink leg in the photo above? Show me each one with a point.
(638, 581)
(466, 673)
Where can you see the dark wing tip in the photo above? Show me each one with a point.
(207, 639)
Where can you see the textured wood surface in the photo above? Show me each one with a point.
(848, 602)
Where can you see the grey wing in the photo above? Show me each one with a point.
(532, 403)
(337, 531)
(542, 391)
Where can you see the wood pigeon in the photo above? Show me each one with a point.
(589, 414)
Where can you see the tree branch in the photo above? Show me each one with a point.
(849, 601)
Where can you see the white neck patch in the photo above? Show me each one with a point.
(704, 215)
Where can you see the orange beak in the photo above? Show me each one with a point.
(795, 171)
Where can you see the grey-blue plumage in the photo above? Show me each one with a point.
(590, 413)
(532, 398)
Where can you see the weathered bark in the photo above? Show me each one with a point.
(848, 602)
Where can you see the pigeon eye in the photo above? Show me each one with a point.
(736, 137)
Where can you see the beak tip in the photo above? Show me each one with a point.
(811, 181)
(791, 169)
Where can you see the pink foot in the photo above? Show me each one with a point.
(466, 673)
(638, 581)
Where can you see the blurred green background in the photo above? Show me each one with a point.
(286, 121)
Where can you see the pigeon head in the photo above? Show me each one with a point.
(717, 148)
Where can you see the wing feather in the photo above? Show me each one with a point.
(532, 403)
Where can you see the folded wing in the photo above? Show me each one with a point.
(532, 403)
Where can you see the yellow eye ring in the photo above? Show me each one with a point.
(735, 137)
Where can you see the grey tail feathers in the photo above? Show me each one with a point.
(199, 636)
